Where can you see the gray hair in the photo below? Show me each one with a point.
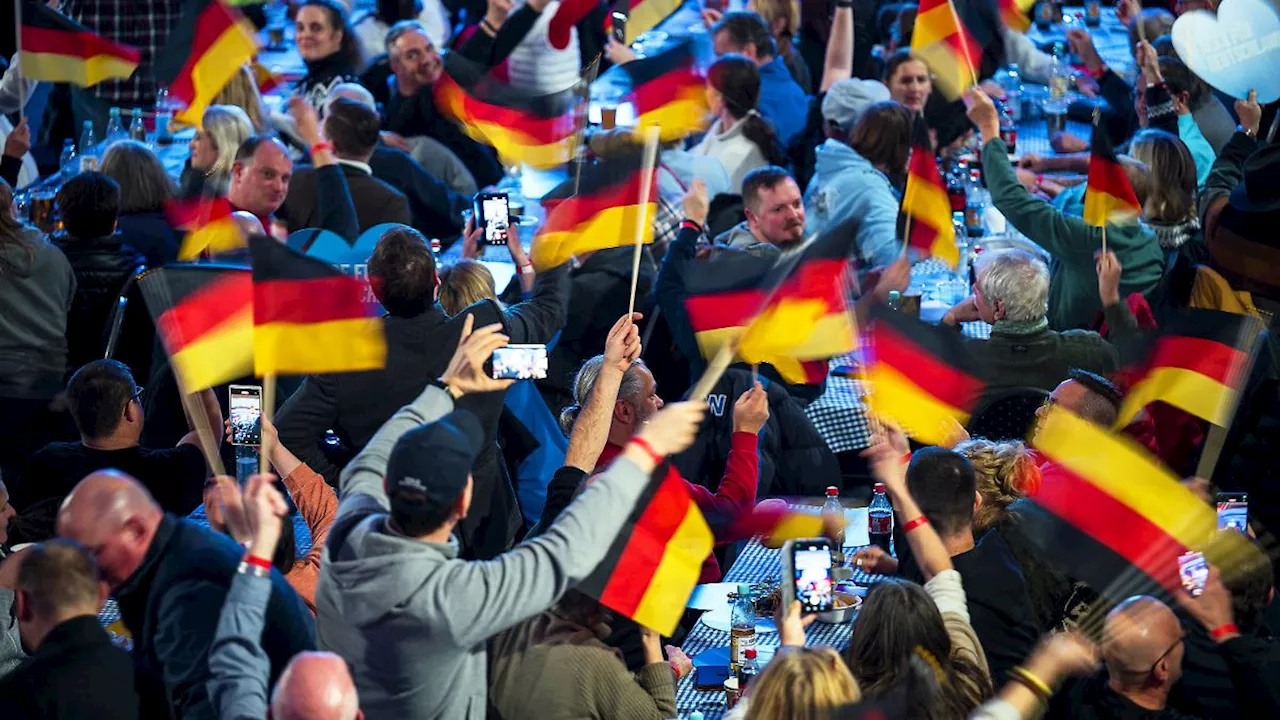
(399, 30)
(228, 126)
(585, 382)
(1017, 279)
(351, 91)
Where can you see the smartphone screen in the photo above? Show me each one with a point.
(1194, 572)
(620, 27)
(812, 562)
(246, 414)
(1233, 511)
(520, 362)
(494, 213)
(710, 676)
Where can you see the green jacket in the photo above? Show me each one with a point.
(1071, 243)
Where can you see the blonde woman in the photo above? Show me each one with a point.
(464, 283)
(1006, 471)
(783, 20)
(799, 683)
(213, 149)
(242, 91)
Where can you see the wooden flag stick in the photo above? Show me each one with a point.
(906, 235)
(268, 413)
(1104, 238)
(1217, 435)
(755, 374)
(715, 370)
(651, 137)
(22, 90)
(964, 45)
(193, 404)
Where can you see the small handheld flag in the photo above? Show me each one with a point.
(942, 41)
(604, 215)
(925, 203)
(55, 48)
(1108, 196)
(204, 317)
(208, 44)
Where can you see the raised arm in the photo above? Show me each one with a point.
(591, 428)
(539, 318)
(669, 289)
(889, 465)
(838, 64)
(333, 197)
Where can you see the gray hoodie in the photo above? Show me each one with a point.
(36, 288)
(410, 617)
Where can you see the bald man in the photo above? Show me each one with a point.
(1142, 650)
(316, 686)
(169, 577)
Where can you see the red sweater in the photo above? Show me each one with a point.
(734, 499)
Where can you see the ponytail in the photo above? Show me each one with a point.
(760, 131)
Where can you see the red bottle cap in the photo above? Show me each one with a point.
(833, 491)
(750, 653)
(880, 487)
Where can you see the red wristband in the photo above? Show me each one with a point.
(691, 225)
(1223, 630)
(922, 520)
(676, 669)
(648, 449)
(250, 559)
(324, 145)
(905, 459)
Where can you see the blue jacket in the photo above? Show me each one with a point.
(846, 185)
(782, 102)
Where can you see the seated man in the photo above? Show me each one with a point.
(106, 405)
(89, 204)
(782, 102)
(74, 670)
(774, 207)
(352, 128)
(1012, 293)
(945, 487)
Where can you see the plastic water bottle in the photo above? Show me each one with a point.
(1008, 130)
(975, 205)
(67, 161)
(88, 148)
(749, 669)
(1011, 81)
(956, 192)
(1059, 77)
(137, 128)
(880, 520)
(164, 114)
(115, 127)
(895, 300)
(742, 634)
(833, 509)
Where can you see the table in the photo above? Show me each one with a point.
(756, 563)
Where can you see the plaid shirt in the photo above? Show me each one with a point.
(144, 24)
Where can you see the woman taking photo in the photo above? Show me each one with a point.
(213, 150)
(329, 47)
(740, 137)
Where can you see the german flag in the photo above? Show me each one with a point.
(204, 316)
(1123, 519)
(309, 318)
(926, 202)
(264, 78)
(206, 47)
(1197, 363)
(1016, 14)
(645, 15)
(725, 296)
(806, 314)
(1108, 197)
(604, 215)
(668, 92)
(208, 223)
(55, 48)
(946, 46)
(921, 376)
(538, 130)
(653, 565)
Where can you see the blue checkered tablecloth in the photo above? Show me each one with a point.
(756, 563)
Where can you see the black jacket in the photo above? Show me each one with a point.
(355, 405)
(1000, 608)
(150, 234)
(322, 76)
(1092, 699)
(794, 459)
(101, 265)
(598, 294)
(1237, 679)
(172, 602)
(375, 201)
(75, 673)
(434, 208)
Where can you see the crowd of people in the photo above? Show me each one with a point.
(415, 542)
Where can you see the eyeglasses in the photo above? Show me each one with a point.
(1165, 654)
(137, 394)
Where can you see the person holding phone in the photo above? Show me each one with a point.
(107, 406)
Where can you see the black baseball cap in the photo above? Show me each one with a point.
(429, 465)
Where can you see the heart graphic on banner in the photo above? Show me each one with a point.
(1236, 51)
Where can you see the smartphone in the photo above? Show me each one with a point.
(245, 402)
(1194, 572)
(710, 676)
(520, 362)
(619, 27)
(1233, 511)
(493, 213)
(811, 570)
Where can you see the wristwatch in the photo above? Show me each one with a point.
(1247, 131)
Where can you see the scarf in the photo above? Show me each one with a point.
(1176, 234)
